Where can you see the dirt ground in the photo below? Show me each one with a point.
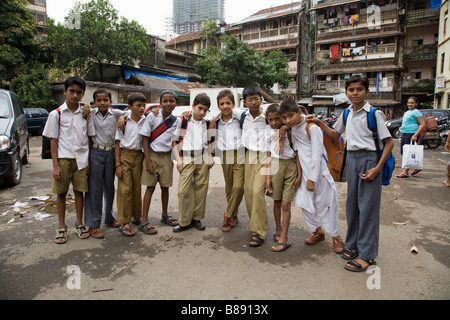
(211, 265)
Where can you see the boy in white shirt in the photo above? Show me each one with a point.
(193, 164)
(232, 156)
(363, 173)
(317, 195)
(254, 140)
(129, 157)
(157, 135)
(69, 133)
(283, 177)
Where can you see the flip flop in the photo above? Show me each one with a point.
(402, 175)
(358, 267)
(276, 237)
(416, 171)
(446, 184)
(257, 239)
(283, 244)
(131, 232)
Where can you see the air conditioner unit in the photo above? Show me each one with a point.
(401, 12)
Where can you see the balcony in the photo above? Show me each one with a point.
(386, 85)
(420, 86)
(422, 16)
(421, 52)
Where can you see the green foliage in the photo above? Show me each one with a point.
(238, 64)
(34, 89)
(17, 38)
(102, 37)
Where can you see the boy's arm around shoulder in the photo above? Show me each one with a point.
(333, 134)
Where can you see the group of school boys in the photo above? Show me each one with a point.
(273, 152)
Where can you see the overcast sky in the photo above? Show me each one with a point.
(151, 14)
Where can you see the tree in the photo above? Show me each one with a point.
(238, 64)
(99, 37)
(18, 45)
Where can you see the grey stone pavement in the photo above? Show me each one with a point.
(214, 266)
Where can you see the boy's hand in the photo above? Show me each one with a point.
(121, 123)
(86, 110)
(119, 172)
(150, 167)
(211, 161)
(297, 183)
(370, 174)
(187, 115)
(269, 184)
(310, 185)
(180, 166)
(311, 118)
(57, 173)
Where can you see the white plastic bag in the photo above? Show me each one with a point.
(412, 156)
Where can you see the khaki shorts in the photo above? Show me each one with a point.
(163, 172)
(283, 180)
(71, 174)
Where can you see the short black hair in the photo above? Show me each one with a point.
(202, 98)
(102, 90)
(273, 108)
(251, 90)
(171, 92)
(225, 93)
(75, 81)
(355, 79)
(133, 97)
(289, 105)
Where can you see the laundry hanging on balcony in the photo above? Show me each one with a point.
(335, 51)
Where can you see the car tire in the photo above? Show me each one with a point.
(16, 176)
(25, 158)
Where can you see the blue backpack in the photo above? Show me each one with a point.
(389, 165)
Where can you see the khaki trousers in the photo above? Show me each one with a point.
(233, 174)
(192, 189)
(129, 202)
(254, 192)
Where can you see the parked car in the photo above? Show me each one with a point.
(149, 107)
(36, 119)
(14, 140)
(394, 125)
(120, 106)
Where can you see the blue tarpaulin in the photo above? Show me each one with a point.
(128, 72)
(435, 4)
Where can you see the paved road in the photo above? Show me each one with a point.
(212, 265)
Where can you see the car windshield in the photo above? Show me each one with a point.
(5, 108)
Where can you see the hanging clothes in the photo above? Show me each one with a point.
(335, 51)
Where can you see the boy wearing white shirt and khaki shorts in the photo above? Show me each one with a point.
(69, 133)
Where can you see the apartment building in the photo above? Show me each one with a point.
(442, 90)
(277, 28)
(358, 37)
(38, 9)
(421, 26)
(188, 15)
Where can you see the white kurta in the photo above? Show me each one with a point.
(320, 207)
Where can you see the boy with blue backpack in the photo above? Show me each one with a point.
(364, 172)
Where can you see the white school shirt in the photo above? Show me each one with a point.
(253, 131)
(72, 132)
(272, 141)
(105, 126)
(129, 137)
(163, 143)
(196, 137)
(229, 134)
(357, 132)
